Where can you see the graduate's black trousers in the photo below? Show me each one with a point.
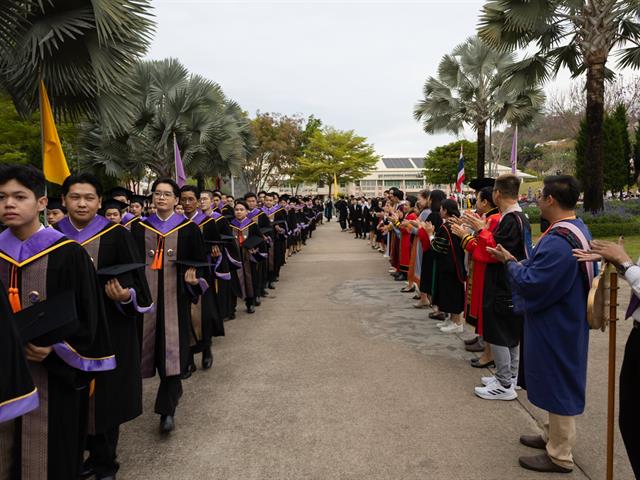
(630, 399)
(102, 452)
(168, 396)
(343, 222)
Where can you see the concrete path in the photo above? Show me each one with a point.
(338, 377)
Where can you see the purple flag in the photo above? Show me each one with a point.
(181, 178)
(514, 151)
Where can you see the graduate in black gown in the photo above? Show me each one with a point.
(41, 267)
(247, 239)
(264, 225)
(117, 396)
(18, 395)
(174, 253)
(277, 216)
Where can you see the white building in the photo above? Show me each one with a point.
(405, 173)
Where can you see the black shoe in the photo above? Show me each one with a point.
(87, 470)
(264, 293)
(251, 309)
(477, 364)
(106, 477)
(190, 369)
(257, 301)
(232, 316)
(271, 286)
(207, 358)
(167, 423)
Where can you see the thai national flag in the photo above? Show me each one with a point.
(460, 178)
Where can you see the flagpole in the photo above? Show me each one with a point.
(46, 222)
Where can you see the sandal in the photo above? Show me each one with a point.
(437, 316)
(408, 290)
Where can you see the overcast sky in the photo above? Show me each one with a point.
(355, 65)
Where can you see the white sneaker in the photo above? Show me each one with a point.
(488, 380)
(445, 323)
(495, 391)
(453, 328)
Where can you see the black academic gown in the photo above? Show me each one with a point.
(118, 393)
(501, 325)
(426, 272)
(225, 270)
(18, 394)
(248, 286)
(450, 274)
(50, 436)
(166, 332)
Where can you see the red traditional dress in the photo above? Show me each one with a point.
(479, 259)
(406, 244)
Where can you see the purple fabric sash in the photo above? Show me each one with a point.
(95, 226)
(241, 224)
(215, 215)
(164, 226)
(253, 213)
(126, 218)
(139, 309)
(75, 360)
(19, 406)
(199, 217)
(36, 243)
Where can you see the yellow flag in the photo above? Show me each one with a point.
(54, 164)
(335, 185)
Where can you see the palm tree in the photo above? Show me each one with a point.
(79, 48)
(168, 101)
(470, 90)
(578, 35)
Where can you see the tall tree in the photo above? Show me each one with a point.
(441, 163)
(211, 130)
(278, 139)
(622, 123)
(80, 49)
(581, 151)
(616, 166)
(636, 155)
(470, 89)
(578, 35)
(338, 153)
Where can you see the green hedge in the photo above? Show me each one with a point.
(614, 229)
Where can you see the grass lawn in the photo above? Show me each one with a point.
(631, 243)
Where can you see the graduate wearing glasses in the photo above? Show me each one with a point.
(174, 254)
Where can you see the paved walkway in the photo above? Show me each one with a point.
(337, 377)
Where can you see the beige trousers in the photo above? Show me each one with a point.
(560, 435)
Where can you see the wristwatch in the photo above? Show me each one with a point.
(622, 269)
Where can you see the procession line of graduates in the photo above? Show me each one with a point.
(527, 305)
(96, 303)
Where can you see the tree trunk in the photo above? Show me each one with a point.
(200, 180)
(593, 180)
(481, 150)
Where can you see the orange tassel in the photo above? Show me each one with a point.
(92, 388)
(14, 292)
(157, 259)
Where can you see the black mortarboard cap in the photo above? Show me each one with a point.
(115, 270)
(55, 203)
(280, 222)
(193, 263)
(49, 321)
(112, 203)
(252, 242)
(117, 191)
(479, 183)
(141, 199)
(266, 230)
